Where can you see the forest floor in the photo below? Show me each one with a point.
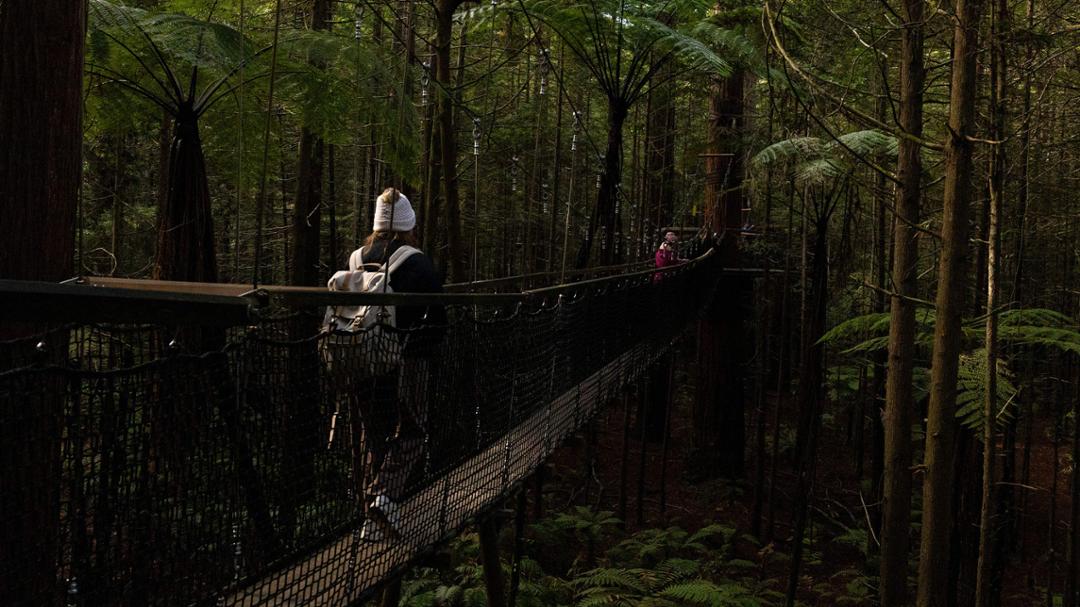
(837, 568)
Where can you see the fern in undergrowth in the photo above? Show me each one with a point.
(649, 547)
(673, 583)
(701, 592)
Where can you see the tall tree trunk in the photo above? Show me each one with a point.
(307, 209)
(941, 419)
(660, 155)
(1072, 577)
(331, 183)
(899, 397)
(447, 141)
(986, 514)
(989, 560)
(41, 61)
(719, 405)
(307, 212)
(556, 171)
(810, 398)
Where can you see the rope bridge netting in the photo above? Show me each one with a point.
(227, 458)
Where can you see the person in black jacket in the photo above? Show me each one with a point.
(394, 414)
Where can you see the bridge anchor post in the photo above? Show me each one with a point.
(494, 583)
(391, 594)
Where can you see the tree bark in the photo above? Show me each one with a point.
(899, 397)
(41, 61)
(810, 397)
(719, 437)
(307, 209)
(307, 212)
(447, 141)
(941, 419)
(987, 537)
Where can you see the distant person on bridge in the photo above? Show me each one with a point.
(668, 254)
(392, 404)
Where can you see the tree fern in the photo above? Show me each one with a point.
(819, 161)
(1026, 327)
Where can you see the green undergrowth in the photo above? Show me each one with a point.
(584, 558)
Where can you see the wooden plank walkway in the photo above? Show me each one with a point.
(344, 571)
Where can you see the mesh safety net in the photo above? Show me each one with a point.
(180, 465)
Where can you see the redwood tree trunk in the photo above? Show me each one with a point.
(307, 210)
(41, 60)
(899, 397)
(941, 419)
(719, 406)
(447, 141)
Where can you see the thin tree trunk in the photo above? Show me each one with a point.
(991, 564)
(331, 182)
(1072, 587)
(986, 514)
(810, 399)
(941, 420)
(899, 397)
(783, 360)
(556, 189)
(660, 162)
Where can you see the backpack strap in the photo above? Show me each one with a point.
(356, 260)
(403, 253)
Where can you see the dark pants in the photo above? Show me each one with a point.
(392, 413)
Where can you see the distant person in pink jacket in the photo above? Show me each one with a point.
(668, 254)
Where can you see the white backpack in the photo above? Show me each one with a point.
(381, 349)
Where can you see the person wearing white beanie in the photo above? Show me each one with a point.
(396, 216)
(393, 408)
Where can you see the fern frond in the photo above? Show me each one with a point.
(971, 391)
(867, 143)
(696, 592)
(623, 579)
(800, 149)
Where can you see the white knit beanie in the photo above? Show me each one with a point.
(398, 217)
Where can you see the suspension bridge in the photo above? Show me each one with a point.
(196, 444)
